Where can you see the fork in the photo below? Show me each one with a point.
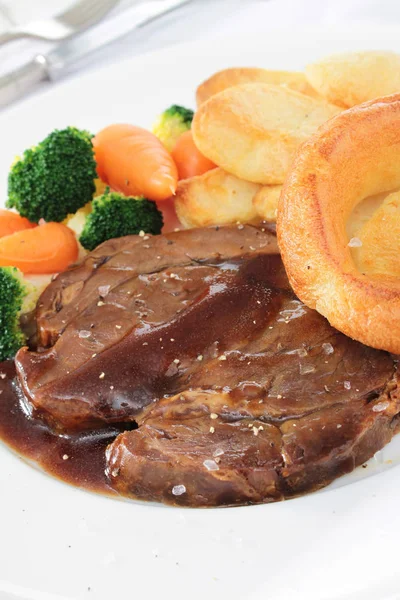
(79, 17)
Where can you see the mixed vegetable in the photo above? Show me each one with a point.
(75, 190)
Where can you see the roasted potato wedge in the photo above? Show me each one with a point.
(235, 76)
(265, 201)
(215, 198)
(379, 237)
(355, 77)
(253, 130)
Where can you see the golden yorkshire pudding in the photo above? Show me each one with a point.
(353, 156)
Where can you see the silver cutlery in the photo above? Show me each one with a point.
(55, 64)
(80, 16)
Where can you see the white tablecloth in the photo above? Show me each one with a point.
(199, 19)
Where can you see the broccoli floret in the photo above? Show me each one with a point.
(55, 178)
(114, 215)
(17, 296)
(171, 124)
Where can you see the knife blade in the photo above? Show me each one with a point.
(55, 64)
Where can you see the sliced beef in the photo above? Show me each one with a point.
(119, 349)
(123, 260)
(240, 392)
(193, 456)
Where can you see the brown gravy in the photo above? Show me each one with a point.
(77, 459)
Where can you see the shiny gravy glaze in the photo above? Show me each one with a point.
(291, 405)
(76, 459)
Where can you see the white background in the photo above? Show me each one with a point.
(198, 20)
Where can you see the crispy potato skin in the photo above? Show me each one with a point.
(227, 78)
(266, 201)
(215, 198)
(253, 130)
(352, 78)
(353, 156)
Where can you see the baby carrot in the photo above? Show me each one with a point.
(134, 162)
(189, 160)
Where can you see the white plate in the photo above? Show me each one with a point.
(58, 542)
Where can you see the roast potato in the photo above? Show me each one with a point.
(253, 130)
(215, 198)
(265, 201)
(355, 77)
(380, 240)
(235, 76)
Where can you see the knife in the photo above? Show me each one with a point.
(52, 66)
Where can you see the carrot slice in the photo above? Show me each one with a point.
(10, 222)
(189, 160)
(134, 162)
(49, 248)
(170, 218)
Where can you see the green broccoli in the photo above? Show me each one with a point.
(114, 215)
(55, 178)
(171, 124)
(17, 297)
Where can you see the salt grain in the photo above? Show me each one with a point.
(302, 352)
(213, 416)
(103, 290)
(65, 457)
(380, 406)
(176, 361)
(102, 375)
(218, 452)
(355, 243)
(328, 348)
(141, 233)
(211, 465)
(222, 357)
(306, 369)
(200, 357)
(347, 385)
(212, 429)
(178, 490)
(84, 334)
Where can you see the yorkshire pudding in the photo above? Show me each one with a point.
(354, 155)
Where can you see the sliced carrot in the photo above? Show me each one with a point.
(10, 222)
(49, 248)
(170, 218)
(134, 162)
(189, 160)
